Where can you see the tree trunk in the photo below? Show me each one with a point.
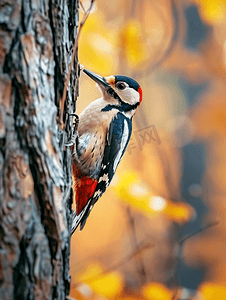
(36, 41)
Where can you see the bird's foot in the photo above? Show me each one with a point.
(72, 140)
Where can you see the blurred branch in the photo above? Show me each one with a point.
(201, 229)
(133, 237)
(133, 8)
(61, 109)
(172, 188)
(184, 239)
(82, 7)
(168, 175)
(142, 247)
(174, 38)
(156, 61)
(172, 43)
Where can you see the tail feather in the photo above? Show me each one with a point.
(81, 218)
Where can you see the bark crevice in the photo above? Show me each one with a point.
(35, 174)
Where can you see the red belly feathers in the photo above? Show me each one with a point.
(84, 186)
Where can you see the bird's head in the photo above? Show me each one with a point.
(120, 91)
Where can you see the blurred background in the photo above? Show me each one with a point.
(171, 181)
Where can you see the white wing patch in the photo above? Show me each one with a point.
(122, 146)
(97, 194)
(104, 178)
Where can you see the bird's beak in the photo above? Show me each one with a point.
(98, 79)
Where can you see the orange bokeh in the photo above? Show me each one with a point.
(144, 206)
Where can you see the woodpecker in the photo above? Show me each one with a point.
(103, 133)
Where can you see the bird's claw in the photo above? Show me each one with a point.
(72, 141)
(69, 144)
(76, 121)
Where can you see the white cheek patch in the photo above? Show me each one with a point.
(104, 178)
(129, 95)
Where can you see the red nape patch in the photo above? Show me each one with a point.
(85, 189)
(141, 93)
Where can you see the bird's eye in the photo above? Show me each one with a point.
(120, 85)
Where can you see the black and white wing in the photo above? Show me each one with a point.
(116, 143)
(117, 140)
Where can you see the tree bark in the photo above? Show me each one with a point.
(36, 41)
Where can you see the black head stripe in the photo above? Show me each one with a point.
(112, 93)
(131, 82)
(124, 107)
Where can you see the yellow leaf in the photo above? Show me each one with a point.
(91, 271)
(134, 192)
(212, 11)
(132, 43)
(157, 291)
(179, 212)
(212, 291)
(129, 298)
(108, 285)
(97, 46)
(139, 196)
